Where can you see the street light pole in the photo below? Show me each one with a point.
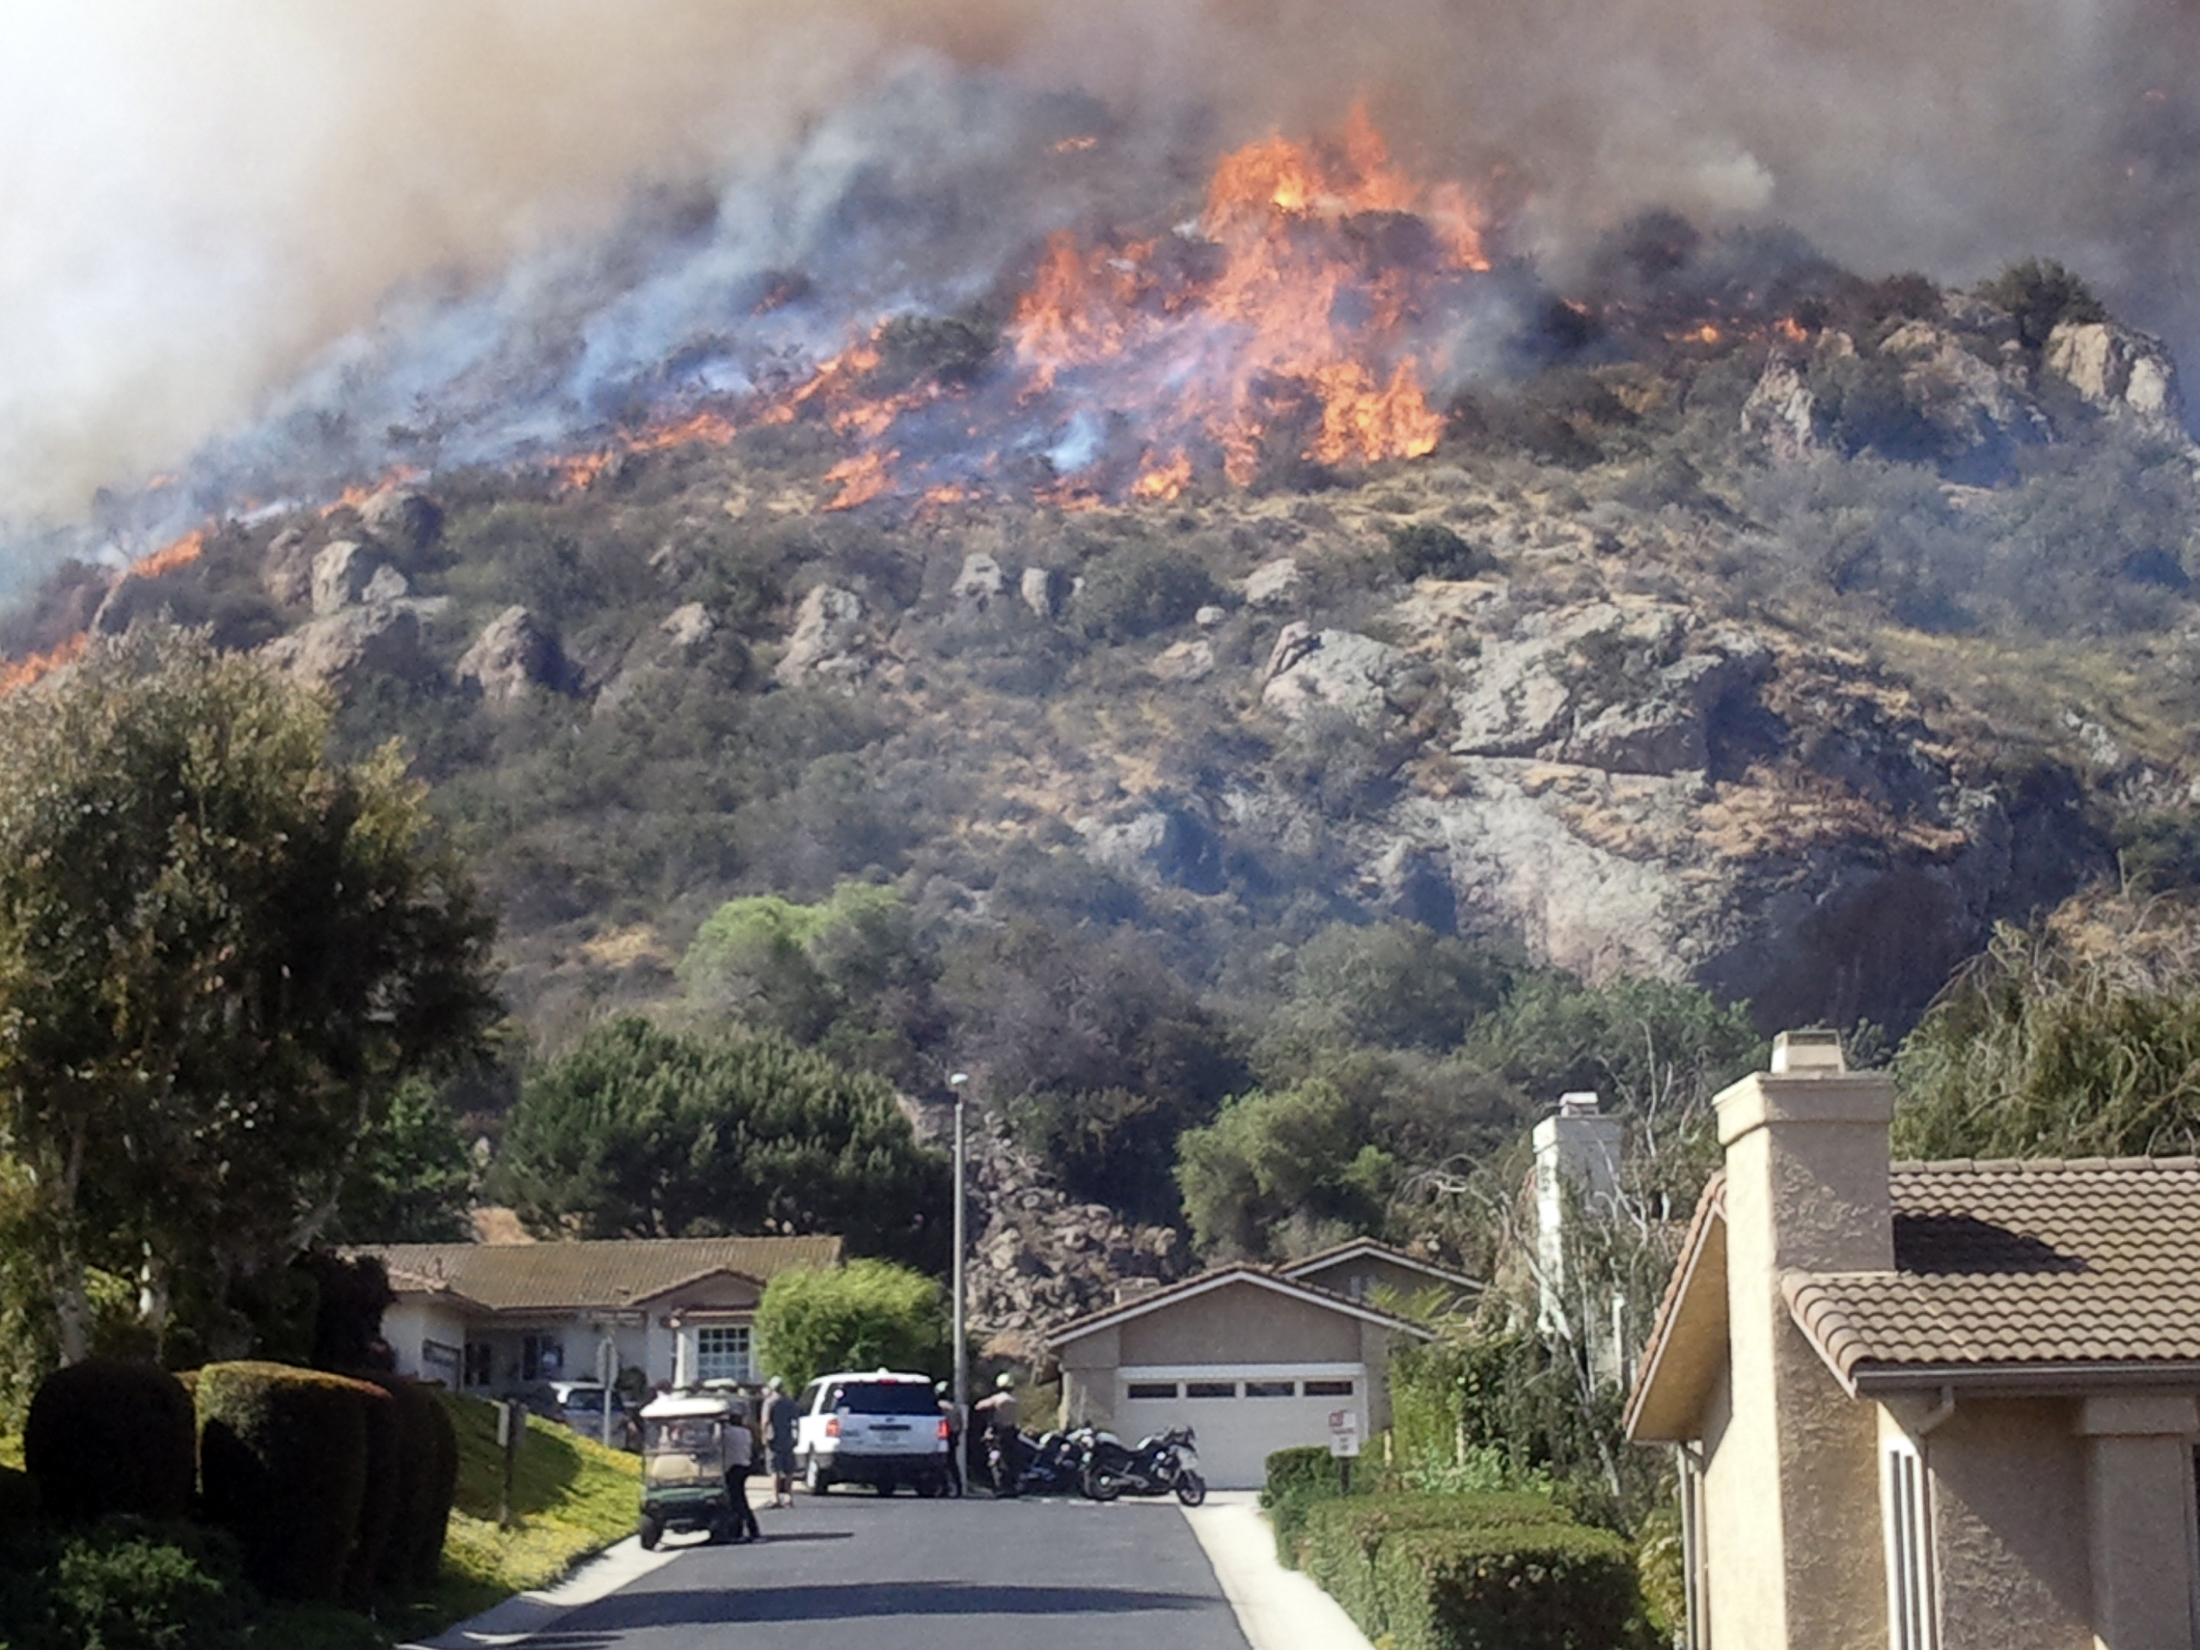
(958, 1082)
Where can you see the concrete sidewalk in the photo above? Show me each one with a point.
(1277, 1609)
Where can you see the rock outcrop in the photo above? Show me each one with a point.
(824, 642)
(1337, 668)
(340, 650)
(515, 654)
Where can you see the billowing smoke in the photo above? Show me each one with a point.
(402, 213)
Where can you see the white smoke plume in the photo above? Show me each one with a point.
(203, 202)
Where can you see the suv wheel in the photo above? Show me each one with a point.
(813, 1477)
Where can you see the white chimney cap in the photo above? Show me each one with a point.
(1795, 1053)
(1581, 1103)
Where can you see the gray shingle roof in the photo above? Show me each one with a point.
(2012, 1263)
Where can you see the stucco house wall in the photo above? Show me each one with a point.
(2009, 1520)
(1243, 1324)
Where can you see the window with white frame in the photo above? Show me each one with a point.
(1912, 1610)
(722, 1353)
(1695, 1564)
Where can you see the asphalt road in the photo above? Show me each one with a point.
(850, 1570)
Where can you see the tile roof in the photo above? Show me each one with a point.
(597, 1273)
(2010, 1264)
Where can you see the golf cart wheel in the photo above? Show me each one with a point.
(649, 1533)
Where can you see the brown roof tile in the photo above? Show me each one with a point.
(2005, 1263)
(598, 1273)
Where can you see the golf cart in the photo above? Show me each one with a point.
(684, 1459)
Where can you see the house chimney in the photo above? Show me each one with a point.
(1577, 1156)
(1806, 1191)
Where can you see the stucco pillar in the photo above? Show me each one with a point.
(2139, 1504)
(1796, 1557)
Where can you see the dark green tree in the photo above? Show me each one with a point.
(1282, 1171)
(220, 954)
(641, 1132)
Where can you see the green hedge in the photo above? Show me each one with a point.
(1506, 1587)
(378, 1504)
(421, 1489)
(1308, 1467)
(111, 1436)
(1342, 1538)
(283, 1465)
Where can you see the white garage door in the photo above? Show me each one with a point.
(1240, 1413)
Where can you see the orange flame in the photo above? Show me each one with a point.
(860, 479)
(1165, 481)
(182, 553)
(23, 672)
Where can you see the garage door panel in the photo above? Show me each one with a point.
(1240, 1418)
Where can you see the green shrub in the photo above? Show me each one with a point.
(1309, 1466)
(421, 1485)
(1139, 589)
(379, 1502)
(1506, 1587)
(1343, 1538)
(1427, 549)
(123, 1584)
(283, 1466)
(108, 1436)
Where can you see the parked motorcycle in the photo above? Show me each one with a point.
(1164, 1462)
(1052, 1463)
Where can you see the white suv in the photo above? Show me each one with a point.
(880, 1429)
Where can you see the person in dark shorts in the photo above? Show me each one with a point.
(779, 1419)
(740, 1464)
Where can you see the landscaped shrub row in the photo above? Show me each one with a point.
(1453, 1572)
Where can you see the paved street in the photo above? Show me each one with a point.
(850, 1570)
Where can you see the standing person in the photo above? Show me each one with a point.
(740, 1462)
(779, 1419)
(1002, 1416)
(952, 1413)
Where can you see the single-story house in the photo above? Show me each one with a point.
(1933, 1406)
(493, 1317)
(1251, 1360)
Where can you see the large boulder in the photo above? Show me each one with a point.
(1341, 669)
(342, 649)
(514, 654)
(2123, 373)
(347, 573)
(827, 628)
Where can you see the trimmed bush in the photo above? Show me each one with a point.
(110, 1436)
(379, 1501)
(1344, 1538)
(283, 1465)
(421, 1486)
(434, 1507)
(1309, 1466)
(1505, 1587)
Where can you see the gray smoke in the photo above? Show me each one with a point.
(241, 215)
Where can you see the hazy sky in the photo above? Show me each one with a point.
(199, 199)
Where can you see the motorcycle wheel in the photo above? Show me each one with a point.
(1191, 1489)
(1102, 1486)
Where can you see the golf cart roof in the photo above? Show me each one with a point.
(681, 1406)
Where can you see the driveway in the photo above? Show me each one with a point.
(849, 1571)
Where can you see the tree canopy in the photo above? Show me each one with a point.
(642, 1132)
(220, 954)
(869, 1314)
(2079, 1038)
(1279, 1171)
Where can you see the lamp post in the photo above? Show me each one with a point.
(958, 1082)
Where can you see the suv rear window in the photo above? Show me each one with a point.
(883, 1398)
